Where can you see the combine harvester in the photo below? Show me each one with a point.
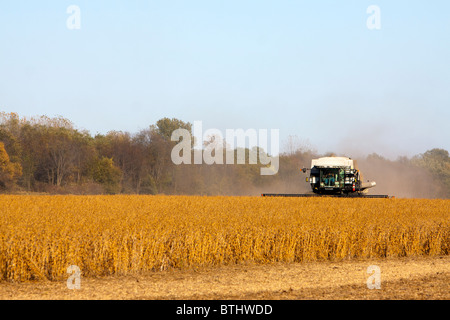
(334, 177)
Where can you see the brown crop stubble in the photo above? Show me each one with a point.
(40, 236)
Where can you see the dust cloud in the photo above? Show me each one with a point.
(399, 178)
(393, 178)
(374, 147)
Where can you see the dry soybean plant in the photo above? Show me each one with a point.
(40, 236)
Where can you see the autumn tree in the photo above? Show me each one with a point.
(9, 171)
(436, 161)
(104, 171)
(165, 126)
(116, 145)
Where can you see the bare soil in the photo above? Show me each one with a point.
(401, 278)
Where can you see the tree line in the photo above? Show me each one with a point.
(50, 155)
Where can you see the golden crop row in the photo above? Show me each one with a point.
(40, 236)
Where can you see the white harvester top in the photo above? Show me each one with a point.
(334, 162)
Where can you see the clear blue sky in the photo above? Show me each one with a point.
(309, 68)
